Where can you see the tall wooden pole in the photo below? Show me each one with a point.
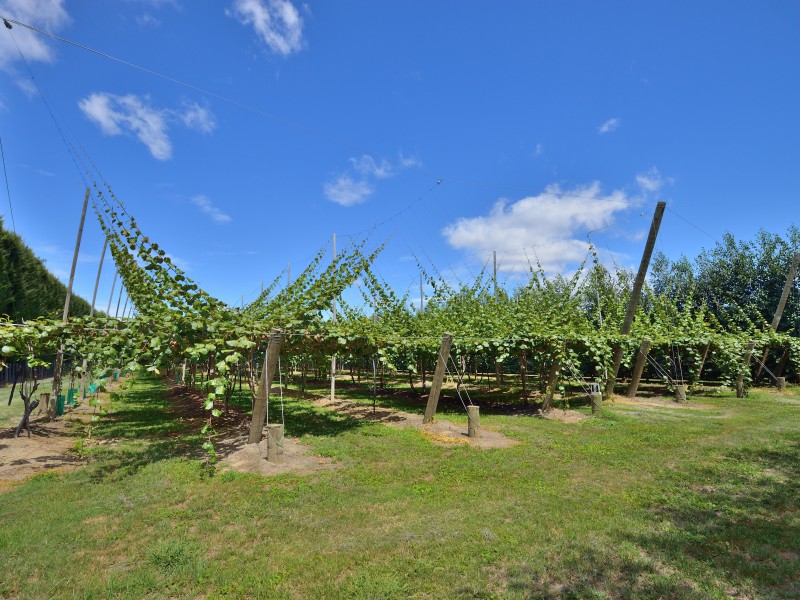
(261, 406)
(119, 300)
(333, 358)
(494, 271)
(638, 369)
(65, 316)
(636, 293)
(438, 377)
(776, 320)
(91, 313)
(421, 294)
(111, 297)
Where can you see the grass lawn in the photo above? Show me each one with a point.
(645, 502)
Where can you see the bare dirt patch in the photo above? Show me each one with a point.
(48, 448)
(563, 416)
(440, 432)
(658, 403)
(251, 458)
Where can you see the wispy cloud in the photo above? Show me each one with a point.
(652, 181)
(206, 206)
(147, 20)
(135, 115)
(550, 227)
(609, 126)
(277, 22)
(346, 191)
(46, 14)
(198, 117)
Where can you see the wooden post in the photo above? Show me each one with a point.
(703, 361)
(119, 300)
(333, 358)
(641, 361)
(438, 377)
(261, 406)
(275, 443)
(91, 312)
(680, 393)
(183, 372)
(550, 391)
(111, 297)
(782, 363)
(597, 402)
(636, 293)
(780, 382)
(65, 316)
(523, 376)
(748, 353)
(473, 421)
(776, 320)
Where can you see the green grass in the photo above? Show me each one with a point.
(642, 503)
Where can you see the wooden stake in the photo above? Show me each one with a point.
(261, 406)
(636, 293)
(438, 378)
(473, 421)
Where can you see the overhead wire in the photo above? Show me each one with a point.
(8, 189)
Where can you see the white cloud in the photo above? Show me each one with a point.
(538, 152)
(408, 162)
(346, 191)
(277, 23)
(134, 115)
(205, 205)
(651, 181)
(28, 87)
(550, 227)
(147, 20)
(609, 126)
(367, 166)
(45, 14)
(130, 114)
(198, 117)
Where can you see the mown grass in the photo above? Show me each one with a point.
(645, 502)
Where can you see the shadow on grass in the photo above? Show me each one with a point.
(139, 430)
(739, 521)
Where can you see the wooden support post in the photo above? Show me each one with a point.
(776, 320)
(183, 372)
(438, 377)
(111, 297)
(680, 393)
(333, 358)
(552, 380)
(703, 361)
(780, 382)
(91, 312)
(782, 363)
(638, 369)
(636, 293)
(275, 443)
(597, 402)
(65, 316)
(748, 354)
(261, 406)
(523, 376)
(473, 421)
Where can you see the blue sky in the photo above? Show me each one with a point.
(451, 126)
